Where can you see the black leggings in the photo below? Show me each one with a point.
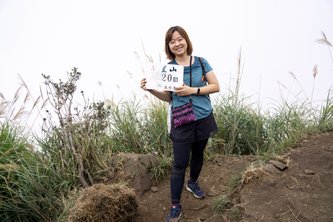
(181, 153)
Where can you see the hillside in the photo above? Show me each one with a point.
(302, 192)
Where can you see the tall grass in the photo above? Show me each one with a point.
(127, 127)
(286, 126)
(29, 188)
(241, 128)
(158, 139)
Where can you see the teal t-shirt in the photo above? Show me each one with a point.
(201, 103)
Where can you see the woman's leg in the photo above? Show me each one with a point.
(181, 153)
(197, 150)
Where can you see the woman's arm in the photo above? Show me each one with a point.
(212, 87)
(162, 95)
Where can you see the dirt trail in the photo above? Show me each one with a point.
(302, 192)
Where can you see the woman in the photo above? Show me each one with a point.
(189, 139)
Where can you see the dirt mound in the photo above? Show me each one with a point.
(104, 203)
(134, 169)
(302, 192)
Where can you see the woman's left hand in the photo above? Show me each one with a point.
(184, 90)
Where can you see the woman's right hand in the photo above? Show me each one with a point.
(162, 95)
(143, 84)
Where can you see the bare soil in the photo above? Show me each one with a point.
(302, 192)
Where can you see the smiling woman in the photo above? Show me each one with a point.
(193, 121)
(178, 41)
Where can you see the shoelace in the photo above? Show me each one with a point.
(196, 187)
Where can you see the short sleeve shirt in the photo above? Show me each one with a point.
(201, 103)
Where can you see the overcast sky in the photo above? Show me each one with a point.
(104, 38)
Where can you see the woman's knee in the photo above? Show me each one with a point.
(179, 166)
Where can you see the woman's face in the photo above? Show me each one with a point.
(178, 44)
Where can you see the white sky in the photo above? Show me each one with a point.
(100, 38)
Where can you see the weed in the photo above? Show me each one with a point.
(221, 204)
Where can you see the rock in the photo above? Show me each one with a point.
(154, 189)
(134, 168)
(270, 168)
(279, 165)
(309, 172)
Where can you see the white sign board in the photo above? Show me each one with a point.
(165, 77)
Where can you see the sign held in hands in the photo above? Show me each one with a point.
(165, 77)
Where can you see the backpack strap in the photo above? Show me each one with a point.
(203, 73)
(203, 70)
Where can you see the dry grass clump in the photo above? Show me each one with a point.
(252, 173)
(102, 202)
(282, 158)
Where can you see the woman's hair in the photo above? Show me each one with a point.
(168, 37)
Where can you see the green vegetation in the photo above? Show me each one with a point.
(38, 175)
(221, 204)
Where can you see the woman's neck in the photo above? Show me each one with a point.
(183, 60)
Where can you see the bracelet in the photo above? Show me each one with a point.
(198, 91)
